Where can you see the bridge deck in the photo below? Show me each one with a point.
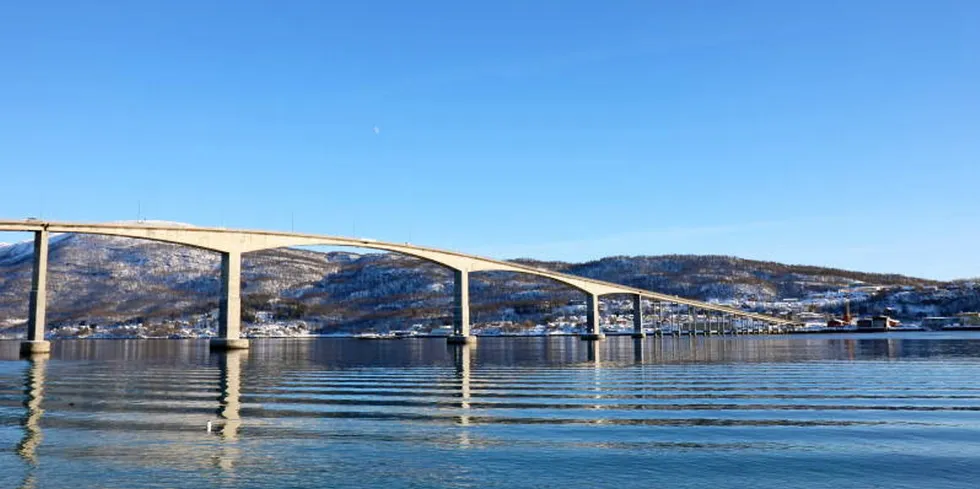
(242, 241)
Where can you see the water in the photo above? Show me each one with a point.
(890, 411)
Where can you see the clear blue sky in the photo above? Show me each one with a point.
(840, 133)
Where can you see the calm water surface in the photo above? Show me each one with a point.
(890, 411)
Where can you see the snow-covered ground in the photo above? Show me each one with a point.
(201, 327)
(129, 282)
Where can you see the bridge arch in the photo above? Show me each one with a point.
(243, 241)
(449, 259)
(191, 237)
(461, 265)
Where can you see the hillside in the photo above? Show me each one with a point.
(105, 280)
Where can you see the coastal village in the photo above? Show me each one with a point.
(815, 313)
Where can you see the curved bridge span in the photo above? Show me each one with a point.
(232, 243)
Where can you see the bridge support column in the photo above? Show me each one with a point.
(592, 319)
(230, 304)
(35, 342)
(638, 317)
(461, 309)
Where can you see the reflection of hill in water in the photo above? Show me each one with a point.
(273, 354)
(315, 408)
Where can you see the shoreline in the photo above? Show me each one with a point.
(517, 335)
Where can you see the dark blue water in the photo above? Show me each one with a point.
(890, 411)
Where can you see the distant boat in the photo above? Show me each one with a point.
(441, 331)
(938, 323)
(877, 324)
(367, 336)
(965, 321)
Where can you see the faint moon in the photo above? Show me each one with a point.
(376, 129)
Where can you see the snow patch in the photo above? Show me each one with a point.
(13, 253)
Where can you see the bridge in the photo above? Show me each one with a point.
(231, 244)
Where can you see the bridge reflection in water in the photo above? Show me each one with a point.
(31, 422)
(226, 426)
(229, 410)
(328, 391)
(230, 364)
(463, 362)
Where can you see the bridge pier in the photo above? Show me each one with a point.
(638, 317)
(35, 342)
(461, 309)
(592, 318)
(230, 304)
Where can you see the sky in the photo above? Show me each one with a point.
(834, 133)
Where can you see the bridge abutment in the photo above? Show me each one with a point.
(35, 342)
(594, 332)
(230, 304)
(461, 309)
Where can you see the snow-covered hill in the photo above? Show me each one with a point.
(108, 279)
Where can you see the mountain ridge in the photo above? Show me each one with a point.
(113, 279)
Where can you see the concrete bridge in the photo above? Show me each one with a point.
(232, 243)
